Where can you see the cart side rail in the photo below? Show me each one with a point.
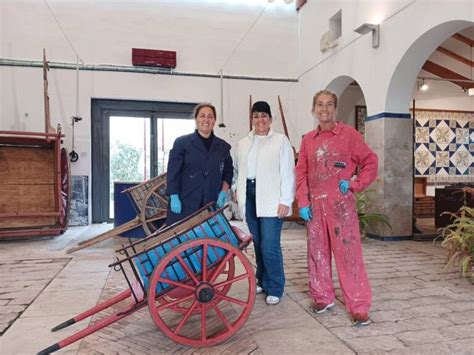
(167, 232)
(31, 134)
(175, 231)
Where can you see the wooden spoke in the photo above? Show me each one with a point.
(161, 198)
(176, 283)
(221, 315)
(185, 318)
(203, 321)
(186, 268)
(204, 263)
(221, 266)
(235, 279)
(155, 218)
(171, 304)
(155, 208)
(230, 299)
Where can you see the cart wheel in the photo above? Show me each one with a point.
(173, 295)
(219, 316)
(154, 208)
(65, 200)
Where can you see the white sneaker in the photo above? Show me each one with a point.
(258, 290)
(272, 300)
(321, 308)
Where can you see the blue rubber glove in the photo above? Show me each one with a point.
(221, 199)
(305, 213)
(344, 186)
(175, 204)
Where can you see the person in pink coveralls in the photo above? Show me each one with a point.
(325, 185)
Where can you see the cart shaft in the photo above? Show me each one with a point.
(100, 307)
(93, 328)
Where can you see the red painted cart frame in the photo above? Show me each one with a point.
(198, 285)
(35, 191)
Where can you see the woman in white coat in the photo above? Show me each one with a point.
(265, 192)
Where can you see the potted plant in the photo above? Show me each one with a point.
(458, 240)
(367, 219)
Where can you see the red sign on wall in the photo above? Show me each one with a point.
(153, 58)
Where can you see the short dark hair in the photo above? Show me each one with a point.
(262, 106)
(202, 105)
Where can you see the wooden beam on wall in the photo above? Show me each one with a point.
(447, 74)
(456, 56)
(464, 39)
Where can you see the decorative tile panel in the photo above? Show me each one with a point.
(444, 145)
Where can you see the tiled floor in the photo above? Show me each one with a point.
(419, 306)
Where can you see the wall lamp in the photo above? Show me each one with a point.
(369, 27)
(424, 86)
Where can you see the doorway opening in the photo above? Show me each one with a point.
(131, 141)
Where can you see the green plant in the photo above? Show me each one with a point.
(124, 163)
(458, 240)
(367, 219)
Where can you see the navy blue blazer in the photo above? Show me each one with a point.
(195, 174)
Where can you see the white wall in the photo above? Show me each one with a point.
(204, 33)
(402, 23)
(443, 95)
(350, 98)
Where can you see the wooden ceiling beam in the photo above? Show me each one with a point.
(456, 56)
(463, 39)
(299, 4)
(447, 74)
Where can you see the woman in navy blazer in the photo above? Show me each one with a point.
(200, 168)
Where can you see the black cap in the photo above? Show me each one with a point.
(262, 106)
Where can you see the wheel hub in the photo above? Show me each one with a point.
(204, 292)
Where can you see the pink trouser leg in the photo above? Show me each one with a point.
(347, 249)
(338, 235)
(319, 260)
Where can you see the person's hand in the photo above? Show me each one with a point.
(175, 204)
(305, 213)
(221, 199)
(283, 210)
(344, 186)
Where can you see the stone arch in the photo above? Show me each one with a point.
(403, 79)
(341, 85)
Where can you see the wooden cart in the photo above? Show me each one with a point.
(198, 285)
(35, 188)
(150, 202)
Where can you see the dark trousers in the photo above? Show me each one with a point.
(266, 233)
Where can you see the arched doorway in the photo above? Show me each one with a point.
(352, 108)
(406, 156)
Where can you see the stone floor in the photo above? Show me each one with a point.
(419, 306)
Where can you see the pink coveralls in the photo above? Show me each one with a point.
(325, 158)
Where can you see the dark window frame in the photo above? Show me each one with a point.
(101, 110)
